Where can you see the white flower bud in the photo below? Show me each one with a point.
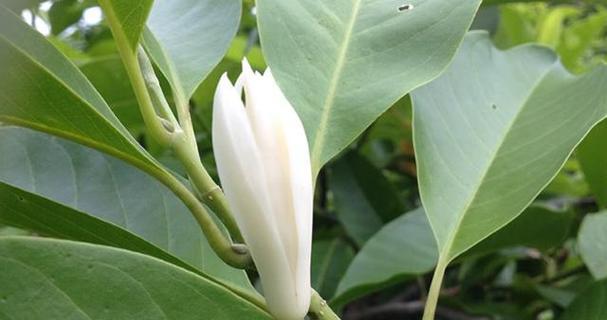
(264, 166)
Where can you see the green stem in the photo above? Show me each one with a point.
(208, 191)
(186, 148)
(152, 84)
(434, 293)
(234, 255)
(319, 309)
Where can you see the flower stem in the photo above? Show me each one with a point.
(434, 293)
(186, 148)
(235, 255)
(319, 309)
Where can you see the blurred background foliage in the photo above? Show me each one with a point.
(373, 250)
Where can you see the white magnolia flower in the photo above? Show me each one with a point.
(264, 166)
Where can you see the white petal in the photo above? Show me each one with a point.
(300, 184)
(240, 169)
(265, 117)
(283, 144)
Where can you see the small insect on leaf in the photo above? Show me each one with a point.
(405, 7)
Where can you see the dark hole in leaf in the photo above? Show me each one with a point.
(493, 106)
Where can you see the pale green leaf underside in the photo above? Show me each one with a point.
(51, 279)
(492, 131)
(342, 63)
(106, 188)
(41, 89)
(592, 242)
(188, 38)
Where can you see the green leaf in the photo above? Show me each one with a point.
(103, 187)
(491, 133)
(65, 13)
(131, 15)
(330, 259)
(42, 90)
(187, 38)
(406, 247)
(364, 198)
(592, 241)
(592, 155)
(29, 211)
(403, 248)
(51, 279)
(580, 37)
(343, 63)
(589, 304)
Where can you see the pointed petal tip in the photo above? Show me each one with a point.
(224, 80)
(246, 67)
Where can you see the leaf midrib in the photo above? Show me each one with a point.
(446, 253)
(333, 83)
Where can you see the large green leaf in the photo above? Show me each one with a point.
(41, 89)
(342, 63)
(406, 247)
(592, 155)
(51, 279)
(492, 131)
(28, 211)
(589, 304)
(106, 188)
(187, 38)
(592, 240)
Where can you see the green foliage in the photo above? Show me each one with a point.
(86, 181)
(344, 63)
(592, 155)
(477, 145)
(330, 259)
(377, 266)
(592, 240)
(509, 156)
(63, 102)
(188, 38)
(82, 281)
(590, 304)
(364, 199)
